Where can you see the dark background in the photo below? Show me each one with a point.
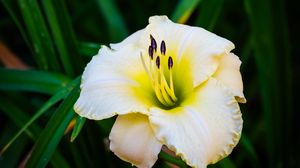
(265, 33)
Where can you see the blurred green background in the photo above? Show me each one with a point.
(45, 44)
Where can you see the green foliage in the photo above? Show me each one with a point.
(53, 132)
(58, 38)
(38, 35)
(80, 121)
(63, 35)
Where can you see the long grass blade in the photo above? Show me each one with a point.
(115, 22)
(227, 163)
(61, 94)
(15, 14)
(274, 73)
(89, 49)
(57, 161)
(31, 80)
(19, 117)
(63, 35)
(210, 11)
(11, 158)
(39, 35)
(184, 10)
(263, 53)
(80, 121)
(283, 46)
(250, 150)
(53, 132)
(168, 158)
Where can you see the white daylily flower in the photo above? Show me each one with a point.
(169, 84)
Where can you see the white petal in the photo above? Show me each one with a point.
(229, 73)
(114, 82)
(132, 140)
(130, 40)
(200, 48)
(204, 128)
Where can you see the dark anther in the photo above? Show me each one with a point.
(153, 43)
(170, 62)
(163, 47)
(150, 52)
(157, 62)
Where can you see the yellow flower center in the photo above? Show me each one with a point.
(159, 74)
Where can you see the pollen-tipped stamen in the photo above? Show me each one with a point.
(145, 67)
(167, 90)
(153, 43)
(164, 91)
(163, 47)
(170, 66)
(168, 87)
(150, 52)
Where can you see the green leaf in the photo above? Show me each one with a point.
(12, 157)
(184, 10)
(114, 20)
(18, 116)
(57, 161)
(248, 147)
(31, 80)
(226, 163)
(209, 13)
(246, 52)
(106, 125)
(12, 112)
(63, 35)
(52, 134)
(77, 128)
(270, 44)
(15, 14)
(38, 34)
(89, 49)
(168, 158)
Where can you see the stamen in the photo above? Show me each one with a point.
(159, 94)
(150, 52)
(157, 62)
(166, 96)
(163, 47)
(153, 43)
(164, 90)
(170, 62)
(145, 67)
(172, 85)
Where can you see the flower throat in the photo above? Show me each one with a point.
(157, 72)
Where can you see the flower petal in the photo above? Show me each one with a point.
(114, 82)
(204, 128)
(131, 40)
(229, 73)
(132, 140)
(199, 47)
